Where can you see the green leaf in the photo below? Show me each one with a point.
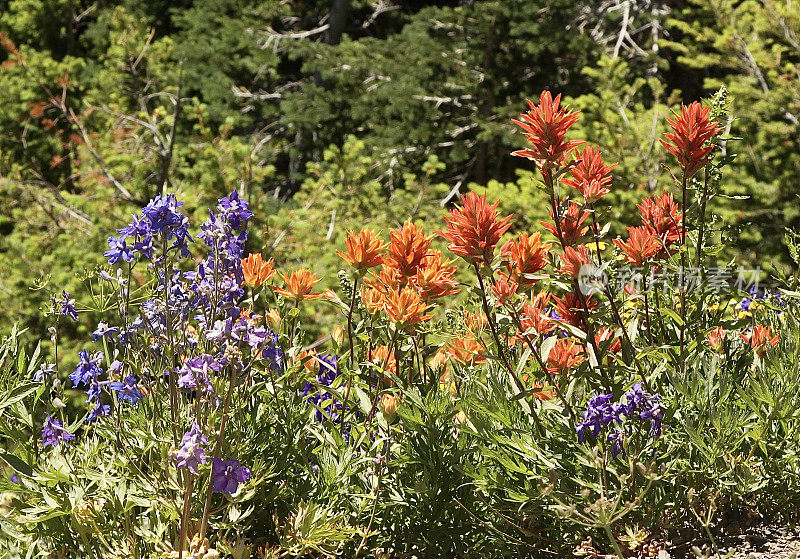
(16, 463)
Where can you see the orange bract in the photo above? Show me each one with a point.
(373, 299)
(474, 229)
(536, 316)
(299, 285)
(525, 255)
(571, 224)
(565, 356)
(570, 309)
(661, 215)
(574, 260)
(761, 339)
(716, 339)
(256, 271)
(363, 250)
(606, 337)
(641, 245)
(405, 307)
(591, 176)
(466, 350)
(545, 126)
(380, 356)
(435, 278)
(504, 288)
(690, 131)
(409, 246)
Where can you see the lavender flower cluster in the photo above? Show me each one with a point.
(327, 407)
(602, 412)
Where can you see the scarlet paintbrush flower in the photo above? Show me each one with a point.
(256, 271)
(475, 322)
(525, 256)
(466, 350)
(504, 288)
(575, 260)
(299, 285)
(474, 229)
(662, 216)
(405, 307)
(690, 132)
(606, 336)
(716, 339)
(761, 339)
(565, 356)
(591, 176)
(542, 394)
(641, 245)
(408, 247)
(545, 126)
(363, 250)
(571, 224)
(435, 278)
(570, 309)
(535, 315)
(372, 298)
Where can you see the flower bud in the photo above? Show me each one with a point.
(272, 318)
(389, 406)
(461, 417)
(338, 336)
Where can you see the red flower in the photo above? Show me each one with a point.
(571, 224)
(408, 248)
(761, 340)
(565, 356)
(525, 256)
(474, 229)
(690, 131)
(545, 127)
(716, 339)
(405, 307)
(504, 288)
(535, 315)
(591, 177)
(574, 260)
(570, 309)
(607, 336)
(661, 215)
(642, 245)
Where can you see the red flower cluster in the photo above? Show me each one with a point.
(691, 130)
(546, 126)
(474, 229)
(591, 176)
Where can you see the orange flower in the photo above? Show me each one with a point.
(389, 405)
(660, 214)
(542, 394)
(439, 360)
(571, 224)
(405, 307)
(474, 229)
(526, 256)
(408, 248)
(364, 250)
(641, 246)
(545, 126)
(565, 356)
(380, 356)
(690, 131)
(475, 321)
(570, 309)
(299, 285)
(373, 299)
(574, 260)
(435, 278)
(272, 318)
(466, 350)
(256, 271)
(761, 340)
(309, 360)
(536, 317)
(591, 176)
(504, 288)
(716, 339)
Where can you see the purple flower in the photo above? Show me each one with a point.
(616, 439)
(44, 372)
(103, 330)
(195, 373)
(127, 390)
(100, 410)
(226, 475)
(644, 406)
(68, 306)
(88, 369)
(53, 432)
(744, 304)
(118, 249)
(191, 453)
(273, 352)
(599, 412)
(234, 210)
(328, 372)
(14, 478)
